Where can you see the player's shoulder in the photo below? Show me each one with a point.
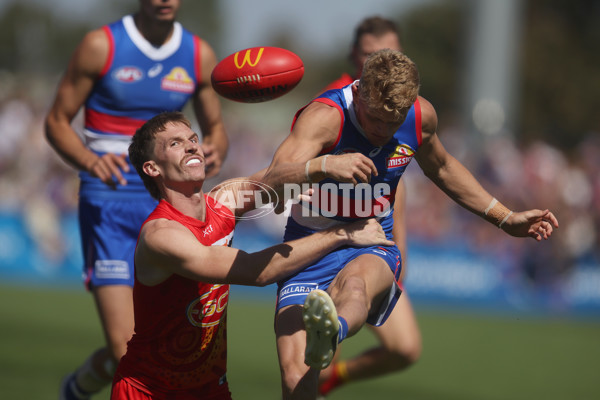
(429, 118)
(159, 227)
(92, 52)
(96, 40)
(321, 111)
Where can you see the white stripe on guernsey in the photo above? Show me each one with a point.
(350, 105)
(153, 53)
(224, 241)
(103, 143)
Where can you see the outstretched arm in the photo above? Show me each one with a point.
(462, 187)
(167, 247)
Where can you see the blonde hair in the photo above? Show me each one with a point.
(389, 83)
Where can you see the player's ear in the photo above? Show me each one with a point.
(355, 90)
(151, 169)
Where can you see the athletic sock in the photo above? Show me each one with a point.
(86, 381)
(343, 331)
(71, 390)
(339, 376)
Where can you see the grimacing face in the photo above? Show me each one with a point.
(178, 155)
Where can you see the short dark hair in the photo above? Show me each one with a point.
(141, 148)
(374, 25)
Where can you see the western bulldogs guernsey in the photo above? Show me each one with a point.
(334, 201)
(137, 82)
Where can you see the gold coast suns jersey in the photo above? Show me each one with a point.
(180, 339)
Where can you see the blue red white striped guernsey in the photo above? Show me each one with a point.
(344, 202)
(137, 82)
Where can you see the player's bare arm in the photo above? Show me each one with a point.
(461, 186)
(207, 107)
(317, 128)
(166, 247)
(84, 67)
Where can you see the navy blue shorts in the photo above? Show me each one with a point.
(320, 275)
(109, 231)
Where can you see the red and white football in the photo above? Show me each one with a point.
(257, 74)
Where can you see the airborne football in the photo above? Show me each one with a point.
(257, 74)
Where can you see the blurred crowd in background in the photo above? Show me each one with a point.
(551, 158)
(40, 187)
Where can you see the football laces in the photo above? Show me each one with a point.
(248, 79)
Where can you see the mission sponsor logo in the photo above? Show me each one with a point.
(400, 157)
(178, 80)
(128, 74)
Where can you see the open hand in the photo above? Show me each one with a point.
(537, 224)
(108, 169)
(365, 232)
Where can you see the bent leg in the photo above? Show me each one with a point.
(400, 347)
(359, 289)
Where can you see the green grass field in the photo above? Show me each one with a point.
(46, 332)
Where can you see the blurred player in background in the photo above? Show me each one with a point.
(383, 121)
(122, 75)
(184, 265)
(399, 337)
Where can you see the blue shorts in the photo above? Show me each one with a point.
(319, 275)
(109, 232)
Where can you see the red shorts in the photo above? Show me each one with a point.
(124, 389)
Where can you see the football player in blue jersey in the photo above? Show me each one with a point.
(399, 338)
(383, 120)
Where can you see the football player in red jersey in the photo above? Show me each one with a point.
(184, 264)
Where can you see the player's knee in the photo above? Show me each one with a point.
(353, 287)
(412, 353)
(291, 376)
(406, 353)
